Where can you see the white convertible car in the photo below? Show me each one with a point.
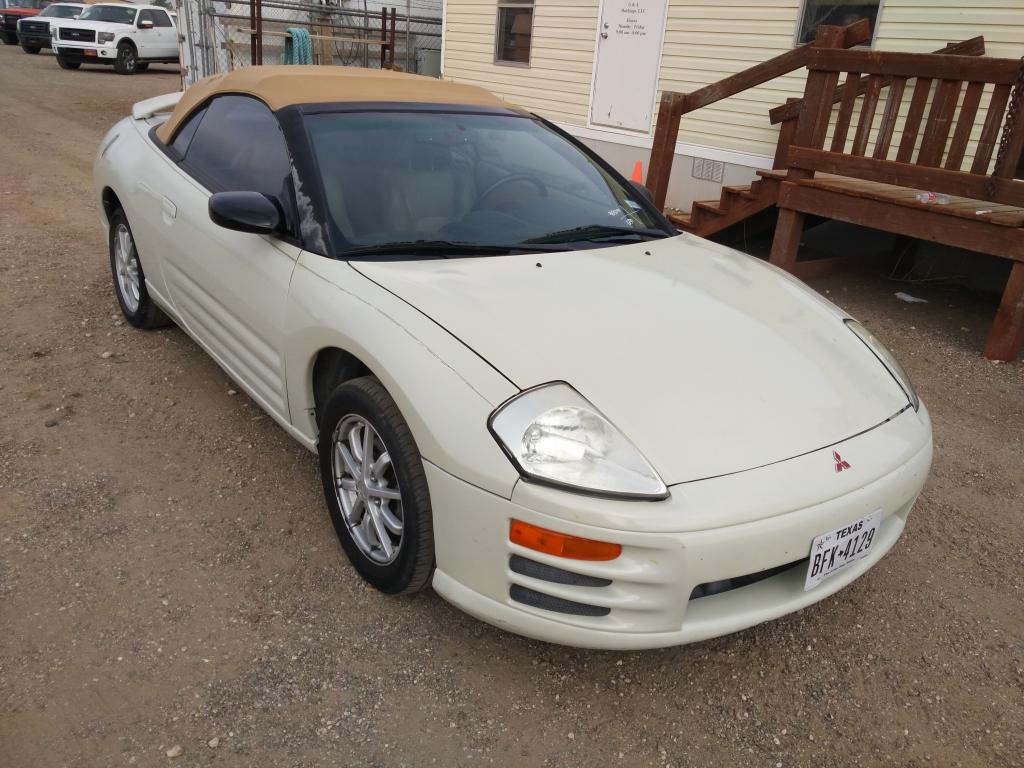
(524, 387)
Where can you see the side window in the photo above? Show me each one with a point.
(161, 18)
(146, 15)
(840, 14)
(186, 132)
(515, 31)
(239, 146)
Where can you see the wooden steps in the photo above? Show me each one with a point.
(735, 204)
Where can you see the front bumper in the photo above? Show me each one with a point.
(85, 53)
(707, 531)
(30, 39)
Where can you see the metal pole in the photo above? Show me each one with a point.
(252, 37)
(408, 49)
(383, 35)
(366, 34)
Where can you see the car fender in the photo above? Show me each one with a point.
(444, 390)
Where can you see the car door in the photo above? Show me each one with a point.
(229, 288)
(164, 35)
(145, 38)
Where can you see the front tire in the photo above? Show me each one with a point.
(127, 61)
(9, 38)
(375, 487)
(30, 48)
(65, 64)
(129, 280)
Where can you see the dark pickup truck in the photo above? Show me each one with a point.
(34, 32)
(13, 10)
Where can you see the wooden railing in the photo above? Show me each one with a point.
(935, 162)
(674, 105)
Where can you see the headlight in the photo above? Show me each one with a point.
(886, 358)
(554, 436)
(105, 37)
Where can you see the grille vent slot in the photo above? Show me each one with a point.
(556, 604)
(543, 572)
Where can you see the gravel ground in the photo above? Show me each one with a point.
(171, 591)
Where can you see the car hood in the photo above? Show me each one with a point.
(101, 26)
(709, 360)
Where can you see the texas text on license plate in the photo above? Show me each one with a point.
(833, 551)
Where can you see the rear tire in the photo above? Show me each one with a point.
(65, 64)
(127, 61)
(388, 529)
(30, 48)
(129, 279)
(9, 38)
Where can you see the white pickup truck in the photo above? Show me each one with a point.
(130, 37)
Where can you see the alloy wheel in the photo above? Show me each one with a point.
(367, 489)
(126, 265)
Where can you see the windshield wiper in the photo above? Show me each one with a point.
(597, 232)
(441, 248)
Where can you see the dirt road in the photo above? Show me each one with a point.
(169, 576)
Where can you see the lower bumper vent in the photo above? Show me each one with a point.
(718, 587)
(549, 603)
(535, 570)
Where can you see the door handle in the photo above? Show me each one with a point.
(604, 35)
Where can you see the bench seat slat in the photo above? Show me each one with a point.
(976, 210)
(964, 125)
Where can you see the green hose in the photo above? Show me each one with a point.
(298, 47)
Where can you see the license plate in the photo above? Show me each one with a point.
(835, 550)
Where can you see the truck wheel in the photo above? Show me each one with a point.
(65, 64)
(127, 61)
(30, 48)
(9, 38)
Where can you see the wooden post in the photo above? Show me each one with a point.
(1005, 338)
(1007, 333)
(786, 133)
(810, 131)
(383, 36)
(666, 130)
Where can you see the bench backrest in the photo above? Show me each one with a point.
(933, 135)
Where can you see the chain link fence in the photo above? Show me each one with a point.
(221, 35)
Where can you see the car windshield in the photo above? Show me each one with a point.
(62, 11)
(114, 14)
(467, 179)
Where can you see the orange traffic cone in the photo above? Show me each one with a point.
(638, 172)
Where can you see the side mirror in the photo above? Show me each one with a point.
(246, 212)
(642, 190)
(146, 24)
(76, 16)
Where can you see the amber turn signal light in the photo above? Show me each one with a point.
(561, 544)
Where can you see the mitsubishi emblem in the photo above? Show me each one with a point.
(841, 463)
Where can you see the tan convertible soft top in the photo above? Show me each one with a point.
(283, 86)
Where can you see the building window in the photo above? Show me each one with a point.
(515, 30)
(837, 13)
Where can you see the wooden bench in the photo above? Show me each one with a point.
(874, 178)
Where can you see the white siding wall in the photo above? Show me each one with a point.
(705, 40)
